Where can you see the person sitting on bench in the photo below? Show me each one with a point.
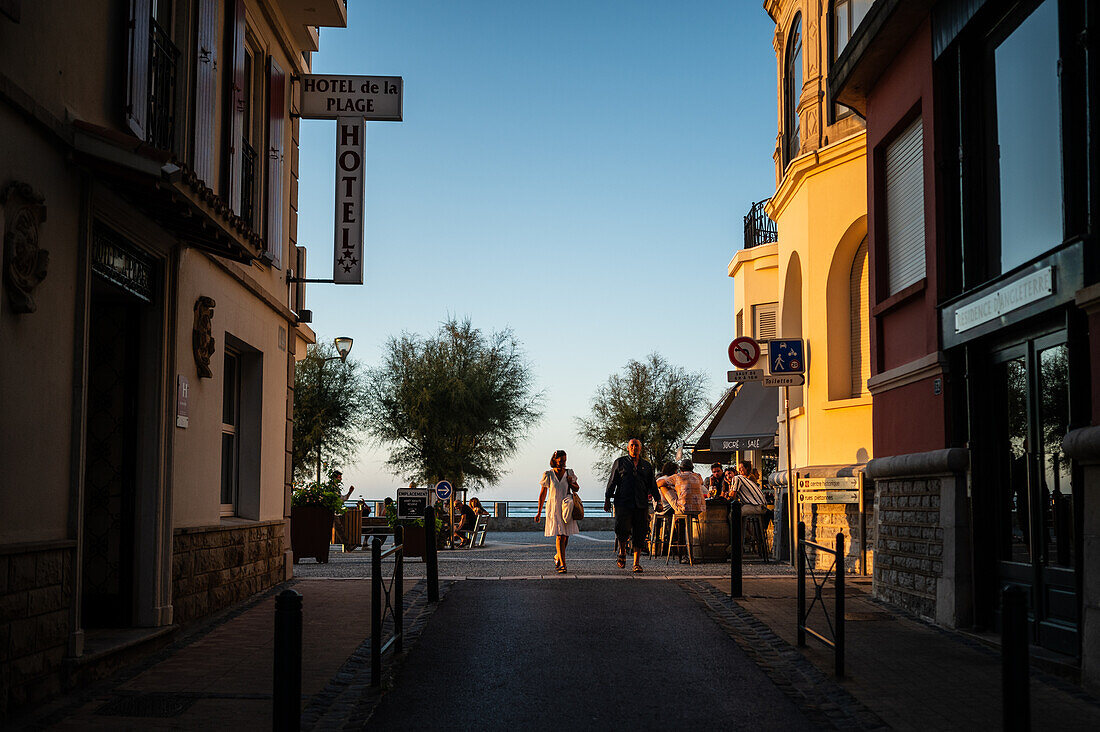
(465, 526)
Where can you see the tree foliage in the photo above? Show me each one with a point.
(454, 405)
(652, 400)
(329, 409)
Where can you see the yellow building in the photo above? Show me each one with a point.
(812, 282)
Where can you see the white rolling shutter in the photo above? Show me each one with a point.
(766, 319)
(858, 317)
(905, 208)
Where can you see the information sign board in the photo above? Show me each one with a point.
(786, 356)
(828, 490)
(411, 502)
(745, 375)
(785, 380)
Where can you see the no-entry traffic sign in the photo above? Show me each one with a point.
(744, 352)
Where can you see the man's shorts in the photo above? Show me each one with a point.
(631, 523)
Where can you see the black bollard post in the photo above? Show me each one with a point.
(838, 636)
(800, 563)
(286, 690)
(399, 587)
(1015, 684)
(736, 549)
(430, 558)
(376, 612)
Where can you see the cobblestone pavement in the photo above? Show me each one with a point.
(529, 555)
(900, 671)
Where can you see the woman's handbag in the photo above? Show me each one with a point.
(567, 506)
(578, 508)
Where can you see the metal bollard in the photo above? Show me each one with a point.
(399, 587)
(736, 549)
(430, 558)
(1015, 684)
(800, 562)
(838, 635)
(286, 689)
(376, 612)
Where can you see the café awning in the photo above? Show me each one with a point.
(746, 421)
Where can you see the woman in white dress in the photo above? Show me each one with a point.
(557, 482)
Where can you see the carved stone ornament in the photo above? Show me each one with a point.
(202, 336)
(25, 264)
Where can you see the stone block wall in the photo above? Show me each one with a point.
(35, 615)
(214, 567)
(823, 522)
(910, 543)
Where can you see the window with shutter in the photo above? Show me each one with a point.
(905, 209)
(860, 341)
(237, 102)
(206, 79)
(276, 133)
(766, 321)
(137, 62)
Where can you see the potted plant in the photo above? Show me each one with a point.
(313, 506)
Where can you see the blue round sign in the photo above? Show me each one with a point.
(443, 490)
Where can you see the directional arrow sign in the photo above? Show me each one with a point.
(746, 375)
(785, 380)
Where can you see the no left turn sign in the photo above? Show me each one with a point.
(744, 352)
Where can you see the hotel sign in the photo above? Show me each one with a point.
(374, 98)
(347, 265)
(1014, 295)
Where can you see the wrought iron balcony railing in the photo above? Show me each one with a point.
(248, 183)
(163, 62)
(759, 229)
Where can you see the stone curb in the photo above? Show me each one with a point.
(820, 698)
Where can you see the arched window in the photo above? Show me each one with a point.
(792, 81)
(858, 318)
(846, 15)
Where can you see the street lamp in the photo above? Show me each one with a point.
(343, 348)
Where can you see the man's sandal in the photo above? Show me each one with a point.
(637, 569)
(621, 561)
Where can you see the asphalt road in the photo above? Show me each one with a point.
(588, 654)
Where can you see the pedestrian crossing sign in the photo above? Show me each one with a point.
(786, 356)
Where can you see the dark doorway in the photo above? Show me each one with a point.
(111, 456)
(1026, 486)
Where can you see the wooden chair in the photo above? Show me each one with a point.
(480, 528)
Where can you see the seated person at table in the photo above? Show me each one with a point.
(716, 485)
(747, 492)
(684, 491)
(478, 509)
(466, 520)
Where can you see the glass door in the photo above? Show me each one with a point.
(1032, 493)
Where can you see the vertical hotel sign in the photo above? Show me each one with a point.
(347, 267)
(351, 101)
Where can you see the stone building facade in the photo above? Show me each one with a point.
(148, 319)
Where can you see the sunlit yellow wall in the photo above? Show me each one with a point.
(820, 207)
(755, 274)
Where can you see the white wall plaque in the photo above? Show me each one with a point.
(326, 96)
(1014, 295)
(347, 265)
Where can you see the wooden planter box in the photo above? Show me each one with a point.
(310, 532)
(414, 541)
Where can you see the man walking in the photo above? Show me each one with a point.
(630, 486)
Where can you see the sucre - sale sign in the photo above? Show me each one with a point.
(373, 98)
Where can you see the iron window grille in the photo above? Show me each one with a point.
(163, 63)
(248, 183)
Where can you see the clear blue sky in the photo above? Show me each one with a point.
(576, 171)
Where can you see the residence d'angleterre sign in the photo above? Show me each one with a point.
(351, 101)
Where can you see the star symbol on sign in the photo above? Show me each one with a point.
(347, 267)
